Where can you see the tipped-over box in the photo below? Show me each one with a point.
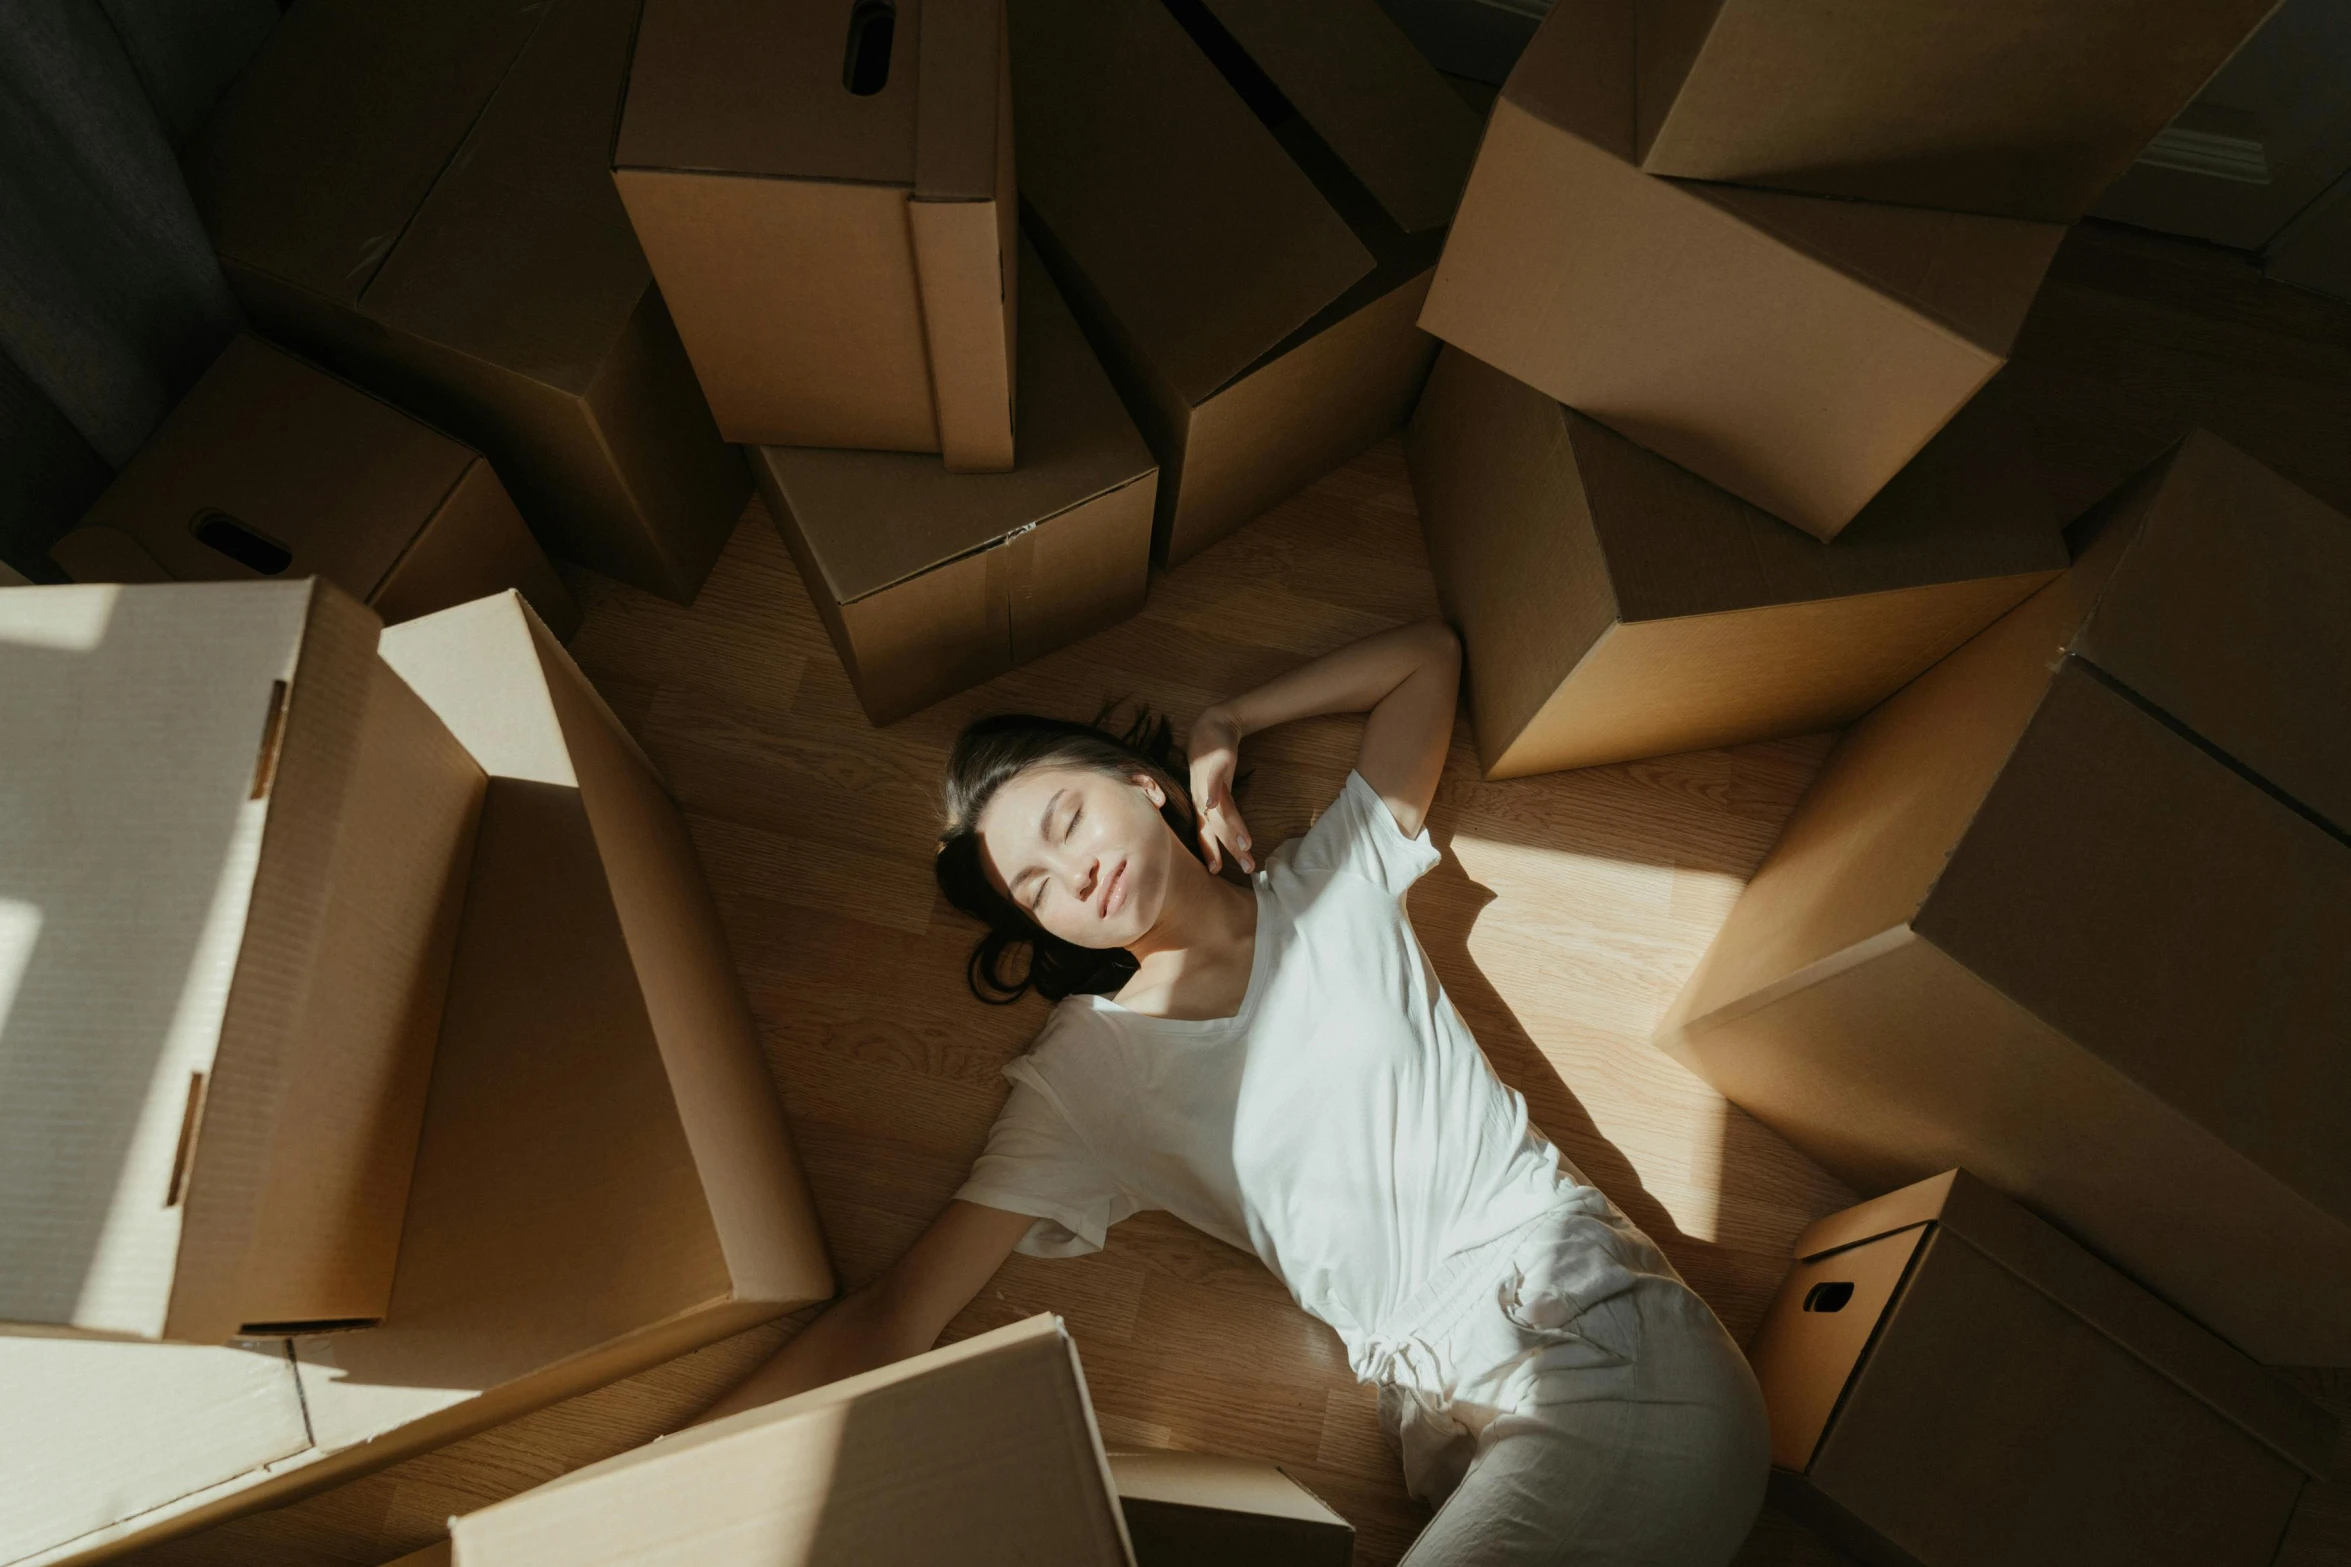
(1193, 1509)
(419, 197)
(2025, 924)
(1953, 1383)
(931, 581)
(1615, 606)
(270, 467)
(604, 1179)
(1795, 350)
(233, 847)
(1242, 200)
(825, 191)
(983, 1453)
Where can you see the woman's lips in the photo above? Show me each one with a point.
(1114, 892)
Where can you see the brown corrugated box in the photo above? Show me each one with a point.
(270, 467)
(2001, 106)
(419, 197)
(1795, 350)
(2022, 922)
(1616, 606)
(1247, 238)
(230, 876)
(826, 193)
(604, 1179)
(1953, 1383)
(1198, 1509)
(981, 1453)
(931, 581)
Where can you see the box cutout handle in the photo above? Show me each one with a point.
(1827, 1296)
(865, 65)
(185, 1153)
(249, 549)
(273, 734)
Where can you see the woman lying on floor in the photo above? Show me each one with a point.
(1274, 1061)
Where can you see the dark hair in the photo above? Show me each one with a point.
(989, 754)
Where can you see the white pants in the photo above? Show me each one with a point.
(1568, 1400)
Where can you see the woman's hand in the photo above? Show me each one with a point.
(1214, 746)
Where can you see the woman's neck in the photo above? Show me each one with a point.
(1194, 961)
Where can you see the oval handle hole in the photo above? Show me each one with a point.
(1827, 1297)
(241, 544)
(865, 67)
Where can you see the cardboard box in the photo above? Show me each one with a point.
(931, 581)
(2025, 924)
(980, 1453)
(1953, 1383)
(865, 154)
(271, 468)
(1616, 606)
(2004, 106)
(1242, 200)
(1795, 350)
(604, 1179)
(419, 197)
(1199, 1509)
(230, 871)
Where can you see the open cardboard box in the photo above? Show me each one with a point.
(270, 467)
(2025, 922)
(231, 870)
(864, 154)
(1206, 1510)
(1953, 1383)
(1795, 350)
(604, 1179)
(1242, 200)
(419, 197)
(932, 581)
(1616, 606)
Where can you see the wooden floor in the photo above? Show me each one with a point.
(1567, 911)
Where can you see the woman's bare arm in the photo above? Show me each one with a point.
(1407, 679)
(899, 1314)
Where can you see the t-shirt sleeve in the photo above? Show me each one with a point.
(1037, 1164)
(1359, 835)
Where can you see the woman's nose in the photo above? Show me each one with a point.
(1091, 874)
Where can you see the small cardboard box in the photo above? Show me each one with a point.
(2001, 106)
(2024, 923)
(1953, 1383)
(1202, 1510)
(981, 1453)
(1616, 606)
(231, 865)
(864, 153)
(1242, 200)
(419, 197)
(1795, 350)
(931, 581)
(271, 468)
(604, 1180)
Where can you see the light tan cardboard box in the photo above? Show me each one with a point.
(984, 1452)
(931, 581)
(419, 197)
(1243, 215)
(1953, 1383)
(1198, 1509)
(2025, 924)
(2002, 106)
(864, 154)
(270, 467)
(231, 865)
(604, 1179)
(1795, 350)
(1616, 606)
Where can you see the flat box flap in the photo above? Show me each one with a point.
(872, 519)
(984, 1452)
(1372, 96)
(2221, 603)
(1210, 1480)
(267, 450)
(1199, 233)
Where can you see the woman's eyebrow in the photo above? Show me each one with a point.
(1045, 820)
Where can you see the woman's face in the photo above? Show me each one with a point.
(1086, 854)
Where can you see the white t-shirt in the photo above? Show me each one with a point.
(1342, 1125)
